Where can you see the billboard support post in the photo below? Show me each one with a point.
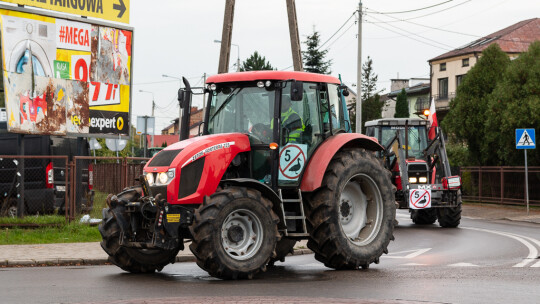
(20, 177)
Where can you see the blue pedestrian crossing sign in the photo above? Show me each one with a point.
(525, 139)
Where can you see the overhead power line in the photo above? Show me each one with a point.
(414, 10)
(418, 40)
(432, 13)
(339, 29)
(414, 34)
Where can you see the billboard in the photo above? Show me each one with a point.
(65, 77)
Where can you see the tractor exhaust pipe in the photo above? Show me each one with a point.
(184, 98)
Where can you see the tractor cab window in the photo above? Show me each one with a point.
(244, 109)
(417, 140)
(331, 107)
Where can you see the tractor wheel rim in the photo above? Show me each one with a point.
(12, 211)
(360, 209)
(241, 234)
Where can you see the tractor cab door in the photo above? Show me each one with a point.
(305, 125)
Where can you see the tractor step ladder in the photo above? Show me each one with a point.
(293, 203)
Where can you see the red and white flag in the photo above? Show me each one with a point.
(433, 120)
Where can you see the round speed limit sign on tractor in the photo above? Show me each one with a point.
(292, 159)
(420, 199)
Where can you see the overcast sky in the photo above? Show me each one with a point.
(176, 37)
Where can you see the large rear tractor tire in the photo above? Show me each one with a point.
(351, 217)
(234, 233)
(284, 247)
(133, 260)
(423, 216)
(450, 217)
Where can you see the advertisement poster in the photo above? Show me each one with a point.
(63, 76)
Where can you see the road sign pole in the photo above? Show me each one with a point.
(526, 181)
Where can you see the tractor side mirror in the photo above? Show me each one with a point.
(344, 90)
(297, 90)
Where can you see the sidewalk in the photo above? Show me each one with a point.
(92, 254)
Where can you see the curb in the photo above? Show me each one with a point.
(98, 261)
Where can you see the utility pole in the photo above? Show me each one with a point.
(226, 36)
(359, 73)
(295, 38)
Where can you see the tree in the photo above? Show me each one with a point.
(371, 109)
(255, 62)
(371, 102)
(468, 111)
(314, 59)
(514, 104)
(402, 105)
(369, 79)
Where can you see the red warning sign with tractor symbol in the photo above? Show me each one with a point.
(420, 199)
(292, 159)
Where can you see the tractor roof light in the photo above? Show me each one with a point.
(273, 146)
(426, 112)
(212, 87)
(260, 84)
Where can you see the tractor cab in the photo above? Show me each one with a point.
(285, 119)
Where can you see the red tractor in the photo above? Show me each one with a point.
(420, 170)
(275, 163)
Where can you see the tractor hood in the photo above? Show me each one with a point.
(188, 162)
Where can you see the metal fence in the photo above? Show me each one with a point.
(504, 185)
(53, 185)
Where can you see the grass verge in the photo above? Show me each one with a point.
(61, 232)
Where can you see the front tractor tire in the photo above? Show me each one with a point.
(351, 216)
(134, 260)
(450, 217)
(423, 216)
(234, 233)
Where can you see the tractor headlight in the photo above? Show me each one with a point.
(164, 178)
(413, 180)
(150, 178)
(422, 180)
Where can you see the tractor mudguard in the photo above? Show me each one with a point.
(265, 191)
(316, 167)
(203, 158)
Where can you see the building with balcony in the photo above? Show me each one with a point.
(449, 69)
(417, 90)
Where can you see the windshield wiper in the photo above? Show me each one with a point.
(229, 98)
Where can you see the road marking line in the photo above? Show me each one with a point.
(533, 252)
(463, 265)
(413, 254)
(537, 264)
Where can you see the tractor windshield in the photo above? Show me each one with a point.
(244, 109)
(417, 138)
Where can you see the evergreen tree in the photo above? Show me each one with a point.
(369, 79)
(467, 117)
(314, 59)
(255, 62)
(402, 105)
(371, 102)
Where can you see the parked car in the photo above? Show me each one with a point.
(44, 178)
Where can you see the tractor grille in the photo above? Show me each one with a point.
(418, 167)
(190, 176)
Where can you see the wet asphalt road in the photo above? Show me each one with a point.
(480, 262)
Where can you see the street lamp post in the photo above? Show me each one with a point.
(237, 58)
(179, 105)
(153, 107)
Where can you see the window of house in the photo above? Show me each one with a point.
(443, 88)
(465, 62)
(459, 80)
(442, 67)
